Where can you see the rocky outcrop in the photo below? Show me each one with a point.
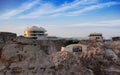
(7, 36)
(24, 56)
(68, 64)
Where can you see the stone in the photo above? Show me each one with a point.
(17, 70)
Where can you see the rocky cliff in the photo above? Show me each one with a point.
(23, 56)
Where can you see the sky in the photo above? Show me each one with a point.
(64, 18)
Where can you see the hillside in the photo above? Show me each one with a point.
(22, 56)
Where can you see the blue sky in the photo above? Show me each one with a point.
(65, 18)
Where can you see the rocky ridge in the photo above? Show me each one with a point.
(23, 56)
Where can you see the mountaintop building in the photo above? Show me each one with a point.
(35, 32)
(96, 37)
(117, 38)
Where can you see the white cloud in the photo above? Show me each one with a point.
(49, 9)
(74, 8)
(94, 7)
(74, 5)
(19, 10)
(71, 30)
(44, 9)
(86, 9)
(107, 23)
(108, 28)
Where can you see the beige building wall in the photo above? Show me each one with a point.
(96, 37)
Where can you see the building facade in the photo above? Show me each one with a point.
(116, 38)
(35, 32)
(96, 37)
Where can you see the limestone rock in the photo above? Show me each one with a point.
(17, 70)
(30, 57)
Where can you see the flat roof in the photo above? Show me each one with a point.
(95, 34)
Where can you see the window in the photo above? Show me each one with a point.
(32, 34)
(77, 49)
(97, 37)
(36, 32)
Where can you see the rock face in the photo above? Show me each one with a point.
(66, 63)
(5, 36)
(30, 57)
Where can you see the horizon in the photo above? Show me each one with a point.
(63, 18)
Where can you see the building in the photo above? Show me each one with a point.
(116, 38)
(35, 32)
(96, 37)
(75, 48)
